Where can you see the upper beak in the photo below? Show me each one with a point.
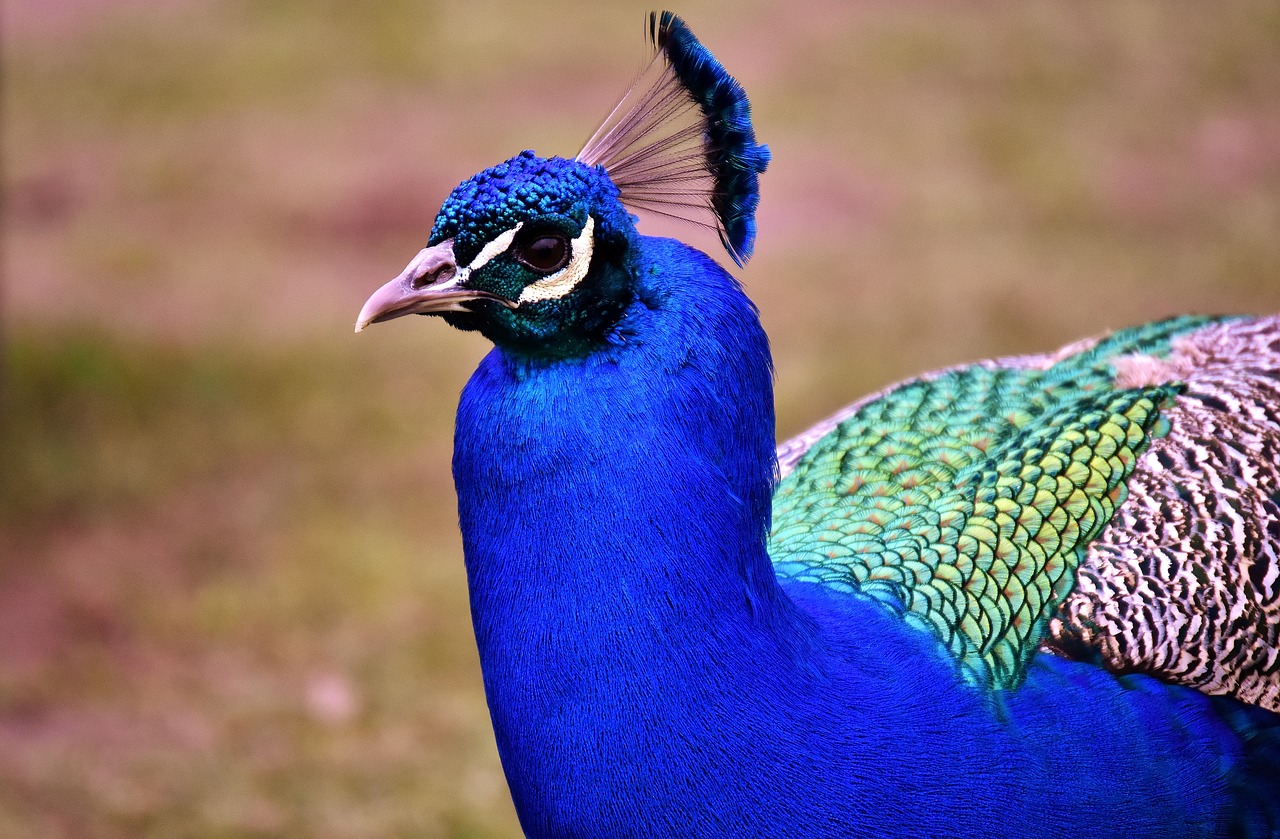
(430, 283)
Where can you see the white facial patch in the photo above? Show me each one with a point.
(495, 247)
(565, 280)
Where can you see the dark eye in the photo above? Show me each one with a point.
(545, 253)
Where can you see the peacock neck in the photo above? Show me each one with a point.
(614, 511)
(644, 469)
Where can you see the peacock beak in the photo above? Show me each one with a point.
(430, 284)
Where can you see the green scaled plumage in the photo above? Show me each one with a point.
(964, 501)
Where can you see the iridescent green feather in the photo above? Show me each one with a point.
(964, 502)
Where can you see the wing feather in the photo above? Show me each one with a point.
(975, 503)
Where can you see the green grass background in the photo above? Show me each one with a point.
(231, 590)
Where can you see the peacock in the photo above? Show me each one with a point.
(1031, 596)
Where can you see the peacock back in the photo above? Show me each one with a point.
(1117, 501)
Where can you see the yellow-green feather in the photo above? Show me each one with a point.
(964, 502)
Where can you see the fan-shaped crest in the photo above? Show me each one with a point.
(680, 142)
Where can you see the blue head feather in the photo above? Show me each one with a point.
(524, 187)
(548, 195)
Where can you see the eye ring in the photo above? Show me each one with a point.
(544, 252)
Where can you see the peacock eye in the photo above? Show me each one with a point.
(544, 253)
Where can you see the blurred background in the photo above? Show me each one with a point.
(231, 591)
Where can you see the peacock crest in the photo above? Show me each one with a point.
(680, 142)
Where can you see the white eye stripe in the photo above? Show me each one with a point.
(567, 278)
(495, 247)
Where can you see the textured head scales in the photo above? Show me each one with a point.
(523, 187)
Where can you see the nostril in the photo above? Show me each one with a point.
(432, 274)
(431, 266)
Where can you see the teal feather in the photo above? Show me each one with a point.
(963, 502)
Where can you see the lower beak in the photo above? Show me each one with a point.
(429, 284)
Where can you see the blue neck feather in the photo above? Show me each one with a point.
(557, 461)
(648, 676)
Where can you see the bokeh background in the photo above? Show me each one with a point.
(231, 593)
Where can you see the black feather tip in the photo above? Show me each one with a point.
(683, 145)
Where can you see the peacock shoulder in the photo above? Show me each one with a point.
(1113, 501)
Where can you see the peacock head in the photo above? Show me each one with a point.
(541, 255)
(535, 253)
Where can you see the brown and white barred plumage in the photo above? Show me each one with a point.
(1184, 583)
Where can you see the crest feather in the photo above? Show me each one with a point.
(680, 143)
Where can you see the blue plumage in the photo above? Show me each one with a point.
(649, 674)
(527, 185)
